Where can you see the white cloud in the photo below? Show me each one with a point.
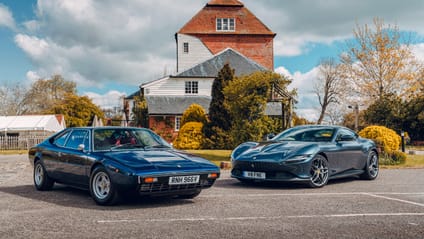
(418, 51)
(6, 18)
(106, 101)
(307, 105)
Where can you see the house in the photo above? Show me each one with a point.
(224, 31)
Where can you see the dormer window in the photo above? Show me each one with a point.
(191, 87)
(225, 24)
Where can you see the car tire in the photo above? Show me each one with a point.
(42, 181)
(102, 189)
(372, 167)
(319, 172)
(190, 196)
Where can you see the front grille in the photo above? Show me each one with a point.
(164, 187)
(258, 166)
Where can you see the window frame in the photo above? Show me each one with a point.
(177, 123)
(225, 24)
(186, 47)
(191, 87)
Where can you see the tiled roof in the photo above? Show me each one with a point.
(210, 68)
(174, 105)
(225, 3)
(204, 21)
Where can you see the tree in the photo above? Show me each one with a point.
(386, 111)
(140, 112)
(44, 94)
(413, 122)
(377, 63)
(246, 98)
(78, 110)
(216, 130)
(11, 96)
(329, 86)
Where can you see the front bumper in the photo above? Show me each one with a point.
(274, 171)
(161, 186)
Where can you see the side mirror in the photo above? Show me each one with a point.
(81, 147)
(346, 138)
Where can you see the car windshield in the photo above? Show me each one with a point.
(125, 138)
(306, 134)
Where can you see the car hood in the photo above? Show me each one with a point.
(158, 159)
(275, 150)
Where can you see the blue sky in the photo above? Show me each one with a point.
(110, 47)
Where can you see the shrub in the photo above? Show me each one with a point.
(397, 156)
(388, 141)
(190, 136)
(385, 138)
(194, 113)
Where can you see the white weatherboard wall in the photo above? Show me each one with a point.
(197, 53)
(176, 87)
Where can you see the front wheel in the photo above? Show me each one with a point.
(318, 172)
(102, 188)
(42, 181)
(371, 168)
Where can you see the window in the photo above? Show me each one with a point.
(346, 135)
(191, 87)
(225, 24)
(76, 138)
(185, 46)
(60, 141)
(177, 123)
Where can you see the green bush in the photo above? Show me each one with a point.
(398, 157)
(190, 136)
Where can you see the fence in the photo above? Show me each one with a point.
(19, 142)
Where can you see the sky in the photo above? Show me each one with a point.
(110, 47)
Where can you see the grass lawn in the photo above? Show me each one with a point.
(217, 156)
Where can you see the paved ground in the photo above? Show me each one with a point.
(390, 207)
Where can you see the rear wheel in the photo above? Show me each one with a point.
(318, 172)
(102, 188)
(42, 181)
(372, 168)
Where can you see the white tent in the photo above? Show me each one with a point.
(48, 123)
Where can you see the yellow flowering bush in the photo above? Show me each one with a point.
(190, 136)
(386, 138)
(388, 141)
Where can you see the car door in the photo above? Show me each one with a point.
(74, 158)
(349, 150)
(51, 155)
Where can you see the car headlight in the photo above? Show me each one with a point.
(298, 158)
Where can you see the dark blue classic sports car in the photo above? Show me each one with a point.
(112, 160)
(310, 154)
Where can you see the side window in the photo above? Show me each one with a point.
(78, 137)
(185, 47)
(346, 135)
(61, 139)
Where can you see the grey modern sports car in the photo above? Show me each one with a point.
(311, 154)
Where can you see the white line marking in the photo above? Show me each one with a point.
(304, 194)
(191, 219)
(395, 199)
